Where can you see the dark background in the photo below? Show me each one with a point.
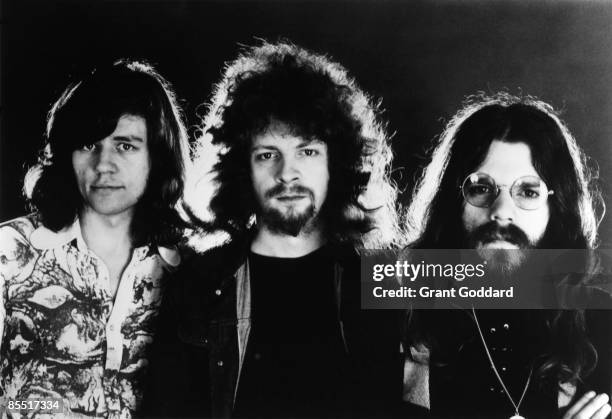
(422, 58)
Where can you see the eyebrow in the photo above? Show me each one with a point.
(129, 138)
(307, 143)
(301, 144)
(263, 146)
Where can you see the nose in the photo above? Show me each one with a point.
(105, 160)
(288, 170)
(503, 208)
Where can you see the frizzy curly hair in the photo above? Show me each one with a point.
(87, 111)
(316, 98)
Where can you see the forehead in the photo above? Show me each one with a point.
(127, 127)
(505, 162)
(131, 127)
(280, 135)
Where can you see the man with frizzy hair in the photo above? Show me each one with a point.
(269, 324)
(506, 176)
(282, 84)
(81, 278)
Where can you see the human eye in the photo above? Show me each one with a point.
(309, 152)
(88, 147)
(126, 147)
(529, 189)
(480, 189)
(264, 156)
(529, 193)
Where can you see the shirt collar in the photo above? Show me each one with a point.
(43, 239)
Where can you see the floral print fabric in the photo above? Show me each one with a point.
(63, 336)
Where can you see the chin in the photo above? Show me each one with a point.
(289, 221)
(502, 257)
(110, 211)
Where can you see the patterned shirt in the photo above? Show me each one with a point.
(63, 336)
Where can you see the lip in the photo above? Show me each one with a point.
(499, 244)
(290, 197)
(106, 187)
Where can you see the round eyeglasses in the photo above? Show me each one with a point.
(527, 192)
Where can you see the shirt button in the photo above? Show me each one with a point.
(504, 369)
(491, 389)
(218, 292)
(506, 326)
(493, 330)
(111, 328)
(219, 363)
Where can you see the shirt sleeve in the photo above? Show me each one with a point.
(17, 260)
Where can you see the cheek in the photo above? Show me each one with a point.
(320, 178)
(258, 178)
(79, 168)
(140, 170)
(534, 223)
(473, 217)
(324, 188)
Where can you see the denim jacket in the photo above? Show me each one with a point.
(203, 339)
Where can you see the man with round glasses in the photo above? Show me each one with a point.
(506, 174)
(527, 192)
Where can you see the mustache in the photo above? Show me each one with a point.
(492, 231)
(282, 189)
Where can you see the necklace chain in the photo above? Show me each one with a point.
(501, 381)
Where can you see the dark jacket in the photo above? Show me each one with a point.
(205, 325)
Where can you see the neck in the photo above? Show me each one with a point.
(106, 234)
(270, 243)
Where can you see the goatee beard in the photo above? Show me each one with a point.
(290, 222)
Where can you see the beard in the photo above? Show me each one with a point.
(289, 220)
(502, 259)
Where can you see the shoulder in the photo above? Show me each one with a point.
(22, 226)
(15, 234)
(346, 255)
(222, 260)
(201, 272)
(17, 255)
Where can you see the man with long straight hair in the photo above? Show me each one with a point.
(81, 278)
(505, 176)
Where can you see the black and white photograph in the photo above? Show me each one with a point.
(188, 189)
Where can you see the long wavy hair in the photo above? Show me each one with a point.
(318, 99)
(87, 111)
(576, 208)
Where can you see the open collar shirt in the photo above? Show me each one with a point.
(63, 335)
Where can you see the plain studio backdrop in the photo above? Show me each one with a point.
(421, 58)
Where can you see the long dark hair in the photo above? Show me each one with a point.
(316, 98)
(436, 206)
(88, 111)
(435, 211)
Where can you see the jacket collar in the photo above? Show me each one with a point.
(44, 239)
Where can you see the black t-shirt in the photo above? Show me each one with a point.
(296, 363)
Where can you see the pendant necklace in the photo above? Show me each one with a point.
(501, 381)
